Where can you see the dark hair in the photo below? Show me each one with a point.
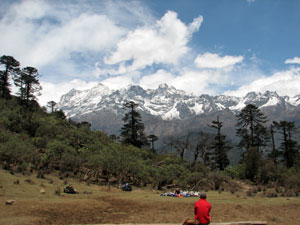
(203, 195)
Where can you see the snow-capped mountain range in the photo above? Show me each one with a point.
(165, 102)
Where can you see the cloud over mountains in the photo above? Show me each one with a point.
(79, 43)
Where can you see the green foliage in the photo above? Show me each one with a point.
(132, 132)
(123, 163)
(56, 149)
(217, 179)
(250, 127)
(289, 149)
(288, 177)
(220, 146)
(236, 172)
(152, 138)
(11, 68)
(252, 163)
(196, 180)
(28, 83)
(51, 105)
(232, 172)
(15, 148)
(268, 172)
(10, 120)
(169, 169)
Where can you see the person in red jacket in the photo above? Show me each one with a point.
(202, 210)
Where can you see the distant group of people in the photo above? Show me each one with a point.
(179, 193)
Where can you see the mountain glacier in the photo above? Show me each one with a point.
(165, 102)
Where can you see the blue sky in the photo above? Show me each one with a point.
(200, 46)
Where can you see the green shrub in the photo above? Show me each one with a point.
(237, 172)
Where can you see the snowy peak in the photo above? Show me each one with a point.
(263, 100)
(166, 101)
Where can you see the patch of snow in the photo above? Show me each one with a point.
(197, 109)
(172, 114)
(295, 101)
(238, 107)
(271, 102)
(220, 106)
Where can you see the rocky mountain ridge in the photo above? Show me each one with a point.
(165, 102)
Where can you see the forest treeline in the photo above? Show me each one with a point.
(42, 140)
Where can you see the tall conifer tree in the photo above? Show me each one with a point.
(11, 67)
(254, 135)
(250, 127)
(28, 83)
(289, 148)
(132, 131)
(220, 146)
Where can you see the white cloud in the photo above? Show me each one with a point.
(26, 10)
(214, 61)
(283, 82)
(118, 82)
(197, 82)
(295, 60)
(153, 80)
(195, 25)
(128, 13)
(85, 33)
(191, 81)
(39, 34)
(165, 42)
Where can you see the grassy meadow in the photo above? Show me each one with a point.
(100, 205)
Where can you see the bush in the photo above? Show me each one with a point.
(231, 172)
(195, 180)
(271, 194)
(288, 178)
(237, 172)
(217, 179)
(268, 172)
(249, 193)
(290, 193)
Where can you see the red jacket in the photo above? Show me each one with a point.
(202, 209)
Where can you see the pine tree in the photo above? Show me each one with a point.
(28, 83)
(252, 162)
(254, 135)
(250, 127)
(152, 139)
(132, 132)
(220, 146)
(51, 105)
(289, 150)
(11, 68)
(274, 152)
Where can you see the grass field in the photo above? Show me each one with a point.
(96, 205)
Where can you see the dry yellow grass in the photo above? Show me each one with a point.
(136, 207)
